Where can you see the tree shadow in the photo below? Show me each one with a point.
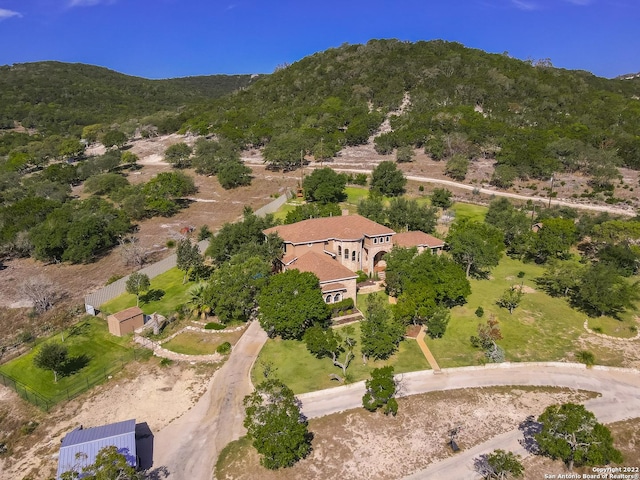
(152, 295)
(74, 365)
(529, 428)
(481, 465)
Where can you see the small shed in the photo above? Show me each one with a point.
(81, 446)
(126, 321)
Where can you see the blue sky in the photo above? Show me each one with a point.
(171, 38)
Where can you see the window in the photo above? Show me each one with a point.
(337, 298)
(327, 299)
(375, 239)
(346, 255)
(339, 252)
(388, 239)
(353, 257)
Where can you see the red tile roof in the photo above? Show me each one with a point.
(346, 227)
(415, 239)
(333, 287)
(323, 266)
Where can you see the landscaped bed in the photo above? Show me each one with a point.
(200, 343)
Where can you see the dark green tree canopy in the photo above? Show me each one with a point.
(275, 425)
(324, 185)
(381, 388)
(388, 180)
(572, 434)
(476, 246)
(290, 303)
(51, 356)
(380, 332)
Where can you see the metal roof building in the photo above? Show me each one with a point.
(80, 446)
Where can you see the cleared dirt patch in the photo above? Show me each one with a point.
(361, 445)
(144, 391)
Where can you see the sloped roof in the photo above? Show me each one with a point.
(81, 446)
(323, 266)
(415, 239)
(333, 287)
(127, 314)
(345, 227)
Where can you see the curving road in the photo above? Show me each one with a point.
(619, 400)
(189, 446)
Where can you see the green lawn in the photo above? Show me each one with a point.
(199, 343)
(303, 372)
(281, 213)
(356, 194)
(542, 328)
(89, 337)
(175, 293)
(469, 211)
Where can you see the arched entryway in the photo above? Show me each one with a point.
(379, 265)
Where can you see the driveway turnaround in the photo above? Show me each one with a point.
(189, 446)
(619, 399)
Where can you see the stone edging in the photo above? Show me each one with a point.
(160, 351)
(610, 337)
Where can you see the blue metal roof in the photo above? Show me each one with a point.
(81, 446)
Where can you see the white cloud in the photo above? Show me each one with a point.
(4, 14)
(524, 5)
(89, 3)
(581, 3)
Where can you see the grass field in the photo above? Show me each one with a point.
(198, 343)
(170, 282)
(469, 211)
(89, 337)
(302, 372)
(542, 328)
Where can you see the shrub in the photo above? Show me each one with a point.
(214, 326)
(29, 427)
(171, 243)
(479, 312)
(362, 277)
(586, 357)
(113, 278)
(421, 188)
(341, 307)
(521, 274)
(224, 348)
(165, 362)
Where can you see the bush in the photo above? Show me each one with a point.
(224, 348)
(29, 427)
(341, 307)
(521, 274)
(214, 326)
(165, 362)
(586, 357)
(479, 312)
(362, 277)
(171, 243)
(112, 279)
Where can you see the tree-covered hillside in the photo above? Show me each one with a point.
(61, 98)
(534, 119)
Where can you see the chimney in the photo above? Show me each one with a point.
(345, 212)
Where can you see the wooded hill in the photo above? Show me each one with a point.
(534, 119)
(61, 98)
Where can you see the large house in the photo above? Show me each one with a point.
(334, 248)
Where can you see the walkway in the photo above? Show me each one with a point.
(426, 352)
(189, 446)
